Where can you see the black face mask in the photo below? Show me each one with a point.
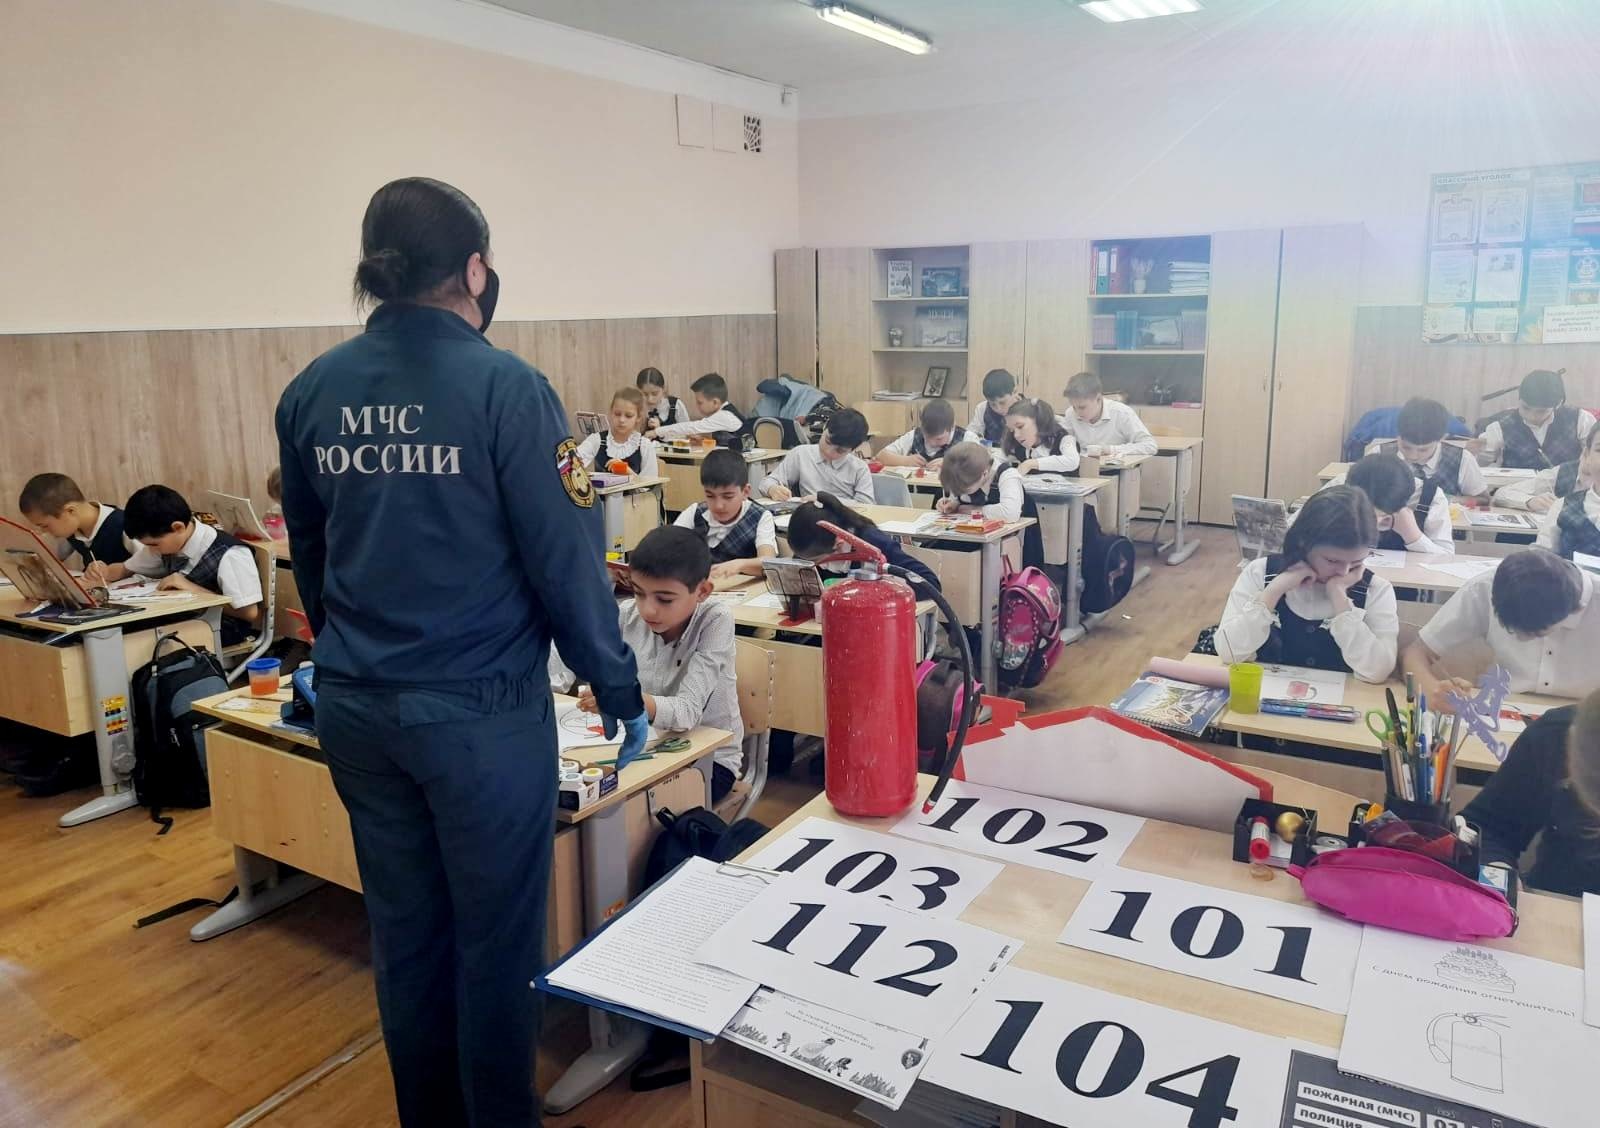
(489, 297)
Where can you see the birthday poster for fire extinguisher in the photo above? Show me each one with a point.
(1475, 1025)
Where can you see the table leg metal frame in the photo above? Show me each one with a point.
(1072, 629)
(615, 1043)
(1182, 548)
(262, 888)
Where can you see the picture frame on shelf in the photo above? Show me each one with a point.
(941, 282)
(898, 281)
(933, 385)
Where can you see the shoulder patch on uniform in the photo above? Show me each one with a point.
(574, 478)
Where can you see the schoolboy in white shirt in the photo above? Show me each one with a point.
(828, 466)
(924, 445)
(1102, 427)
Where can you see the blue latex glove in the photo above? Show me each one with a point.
(635, 732)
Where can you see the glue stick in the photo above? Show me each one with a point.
(1260, 846)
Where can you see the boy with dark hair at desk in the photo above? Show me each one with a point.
(1403, 527)
(1542, 431)
(989, 419)
(188, 555)
(1422, 426)
(828, 466)
(718, 417)
(53, 504)
(925, 444)
(1538, 614)
(1549, 787)
(738, 532)
(1572, 524)
(684, 646)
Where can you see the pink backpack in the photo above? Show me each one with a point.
(1405, 891)
(1028, 641)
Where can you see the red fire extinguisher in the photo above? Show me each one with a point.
(869, 661)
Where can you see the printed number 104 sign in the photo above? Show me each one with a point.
(1072, 1055)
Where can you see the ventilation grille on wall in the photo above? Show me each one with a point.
(752, 133)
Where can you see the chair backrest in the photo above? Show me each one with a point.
(267, 571)
(768, 434)
(1167, 430)
(754, 669)
(890, 489)
(1260, 524)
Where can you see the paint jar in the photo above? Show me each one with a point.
(264, 673)
(1244, 687)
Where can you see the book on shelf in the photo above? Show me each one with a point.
(886, 394)
(1127, 329)
(1103, 331)
(942, 327)
(1172, 706)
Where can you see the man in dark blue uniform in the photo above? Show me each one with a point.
(443, 534)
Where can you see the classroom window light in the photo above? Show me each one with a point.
(875, 27)
(1116, 11)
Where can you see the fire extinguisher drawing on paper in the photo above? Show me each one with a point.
(1470, 1044)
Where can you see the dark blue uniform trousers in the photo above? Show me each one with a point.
(451, 797)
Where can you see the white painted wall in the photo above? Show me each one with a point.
(205, 163)
(1339, 114)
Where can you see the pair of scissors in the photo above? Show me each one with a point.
(1380, 726)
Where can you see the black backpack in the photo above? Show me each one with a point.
(1108, 566)
(169, 758)
(697, 833)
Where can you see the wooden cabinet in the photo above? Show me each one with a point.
(1319, 282)
(1241, 330)
(997, 313)
(1057, 316)
(844, 318)
(795, 298)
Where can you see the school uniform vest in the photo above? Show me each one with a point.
(733, 440)
(919, 444)
(107, 545)
(673, 406)
(1447, 473)
(635, 460)
(990, 496)
(1578, 532)
(1523, 450)
(1295, 641)
(1392, 540)
(205, 569)
(1566, 478)
(994, 426)
(739, 542)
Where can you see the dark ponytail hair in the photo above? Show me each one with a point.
(808, 537)
(1337, 517)
(417, 234)
(1044, 419)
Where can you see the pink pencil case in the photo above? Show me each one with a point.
(1405, 891)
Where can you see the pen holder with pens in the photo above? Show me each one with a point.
(1421, 828)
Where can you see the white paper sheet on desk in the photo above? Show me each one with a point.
(907, 528)
(1478, 1025)
(1481, 520)
(1591, 959)
(907, 970)
(1464, 567)
(1057, 484)
(645, 959)
(1382, 558)
(1586, 562)
(865, 1057)
(1301, 683)
(731, 598)
(577, 729)
(1509, 471)
(764, 601)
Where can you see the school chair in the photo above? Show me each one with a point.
(890, 489)
(235, 658)
(754, 667)
(768, 433)
(1259, 525)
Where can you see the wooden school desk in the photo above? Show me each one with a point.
(273, 798)
(1417, 575)
(731, 1087)
(976, 605)
(632, 509)
(1181, 450)
(72, 680)
(1061, 538)
(1119, 505)
(1496, 477)
(681, 468)
(797, 666)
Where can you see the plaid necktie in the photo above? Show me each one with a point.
(175, 563)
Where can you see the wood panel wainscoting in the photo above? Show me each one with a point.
(1393, 363)
(193, 408)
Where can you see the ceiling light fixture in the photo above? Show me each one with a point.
(1116, 11)
(874, 27)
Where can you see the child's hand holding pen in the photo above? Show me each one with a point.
(96, 574)
(586, 701)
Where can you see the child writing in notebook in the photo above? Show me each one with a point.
(925, 444)
(1422, 426)
(661, 408)
(809, 540)
(1542, 431)
(718, 417)
(623, 441)
(683, 643)
(738, 532)
(1540, 493)
(830, 464)
(1036, 440)
(1104, 427)
(1423, 528)
(1315, 603)
(975, 480)
(1572, 524)
(90, 530)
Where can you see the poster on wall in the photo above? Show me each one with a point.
(1513, 256)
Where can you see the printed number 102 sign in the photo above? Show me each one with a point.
(1072, 1055)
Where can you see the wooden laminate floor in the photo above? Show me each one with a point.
(102, 1024)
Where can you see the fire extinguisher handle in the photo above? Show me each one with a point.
(862, 551)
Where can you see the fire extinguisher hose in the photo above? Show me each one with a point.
(969, 698)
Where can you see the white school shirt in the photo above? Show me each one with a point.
(65, 549)
(720, 420)
(806, 474)
(1368, 637)
(1550, 532)
(903, 445)
(236, 572)
(1494, 436)
(1471, 477)
(691, 679)
(1119, 429)
(1560, 663)
(1009, 507)
(716, 532)
(589, 450)
(1059, 459)
(1438, 532)
(1519, 493)
(672, 410)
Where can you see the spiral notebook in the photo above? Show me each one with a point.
(1172, 706)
